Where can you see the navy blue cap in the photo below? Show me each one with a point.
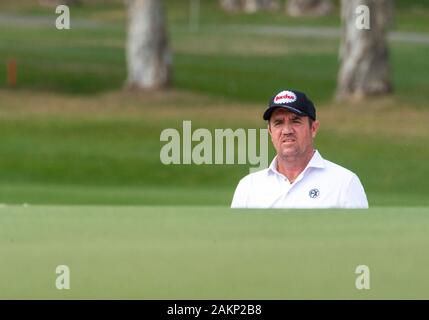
(292, 100)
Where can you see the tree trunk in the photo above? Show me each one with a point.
(365, 67)
(148, 53)
(314, 8)
(231, 5)
(249, 6)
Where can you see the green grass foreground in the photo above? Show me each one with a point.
(212, 252)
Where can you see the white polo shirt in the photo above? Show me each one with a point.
(322, 184)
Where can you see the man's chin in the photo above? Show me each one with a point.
(288, 153)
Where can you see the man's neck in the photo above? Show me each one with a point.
(292, 167)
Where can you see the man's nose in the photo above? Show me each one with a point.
(287, 129)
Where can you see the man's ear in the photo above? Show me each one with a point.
(269, 130)
(314, 128)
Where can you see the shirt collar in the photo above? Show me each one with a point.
(316, 161)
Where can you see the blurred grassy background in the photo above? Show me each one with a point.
(70, 134)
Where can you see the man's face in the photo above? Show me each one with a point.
(292, 135)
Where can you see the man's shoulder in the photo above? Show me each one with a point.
(255, 176)
(338, 170)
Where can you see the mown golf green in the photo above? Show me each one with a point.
(212, 252)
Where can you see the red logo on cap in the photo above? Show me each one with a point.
(285, 97)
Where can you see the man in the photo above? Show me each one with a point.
(298, 177)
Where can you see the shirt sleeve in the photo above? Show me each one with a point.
(240, 195)
(355, 195)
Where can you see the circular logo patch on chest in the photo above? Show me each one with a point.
(314, 193)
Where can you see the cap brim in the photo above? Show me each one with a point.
(270, 110)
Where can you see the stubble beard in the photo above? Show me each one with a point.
(289, 155)
(294, 154)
